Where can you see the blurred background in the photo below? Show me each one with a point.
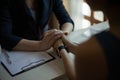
(81, 14)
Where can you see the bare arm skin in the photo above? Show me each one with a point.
(66, 28)
(68, 64)
(30, 45)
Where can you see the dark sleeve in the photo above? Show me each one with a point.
(61, 13)
(7, 39)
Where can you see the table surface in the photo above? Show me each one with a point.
(48, 71)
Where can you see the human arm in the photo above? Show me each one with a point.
(7, 40)
(66, 28)
(66, 23)
(30, 45)
(68, 64)
(71, 46)
(10, 41)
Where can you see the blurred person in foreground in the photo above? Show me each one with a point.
(99, 57)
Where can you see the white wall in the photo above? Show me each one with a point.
(78, 9)
(76, 12)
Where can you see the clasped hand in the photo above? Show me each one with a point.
(50, 37)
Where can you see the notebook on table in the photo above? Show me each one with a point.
(17, 62)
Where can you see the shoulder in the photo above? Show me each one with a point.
(91, 44)
(90, 50)
(90, 60)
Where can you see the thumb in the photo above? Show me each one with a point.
(66, 41)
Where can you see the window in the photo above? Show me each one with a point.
(83, 16)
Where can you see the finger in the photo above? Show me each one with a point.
(55, 38)
(66, 41)
(66, 33)
(55, 34)
(50, 32)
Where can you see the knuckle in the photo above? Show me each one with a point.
(54, 30)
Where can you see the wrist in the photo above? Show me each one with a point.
(58, 43)
(41, 46)
(61, 49)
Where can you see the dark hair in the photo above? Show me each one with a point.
(114, 2)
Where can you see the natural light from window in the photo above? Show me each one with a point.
(79, 9)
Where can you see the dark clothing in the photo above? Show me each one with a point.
(16, 21)
(111, 47)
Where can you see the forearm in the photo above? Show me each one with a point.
(68, 64)
(28, 45)
(67, 28)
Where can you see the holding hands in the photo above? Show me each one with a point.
(53, 36)
(50, 37)
(71, 46)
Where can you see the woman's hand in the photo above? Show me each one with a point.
(50, 38)
(59, 43)
(72, 47)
